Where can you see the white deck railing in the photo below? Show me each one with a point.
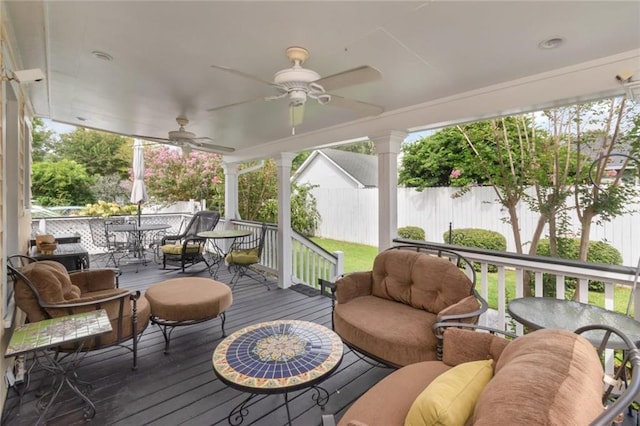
(584, 272)
(309, 261)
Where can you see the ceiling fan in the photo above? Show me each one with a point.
(187, 140)
(297, 84)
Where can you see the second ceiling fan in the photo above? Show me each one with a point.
(297, 84)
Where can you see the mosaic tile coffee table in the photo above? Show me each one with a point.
(277, 357)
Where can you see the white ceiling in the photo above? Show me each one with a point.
(441, 61)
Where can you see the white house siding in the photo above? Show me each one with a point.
(351, 215)
(323, 172)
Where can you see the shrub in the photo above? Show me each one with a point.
(480, 238)
(412, 233)
(569, 248)
(104, 209)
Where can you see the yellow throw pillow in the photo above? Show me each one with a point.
(451, 397)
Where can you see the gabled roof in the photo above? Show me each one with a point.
(361, 168)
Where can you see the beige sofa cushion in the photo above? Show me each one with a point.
(549, 377)
(388, 402)
(419, 280)
(395, 332)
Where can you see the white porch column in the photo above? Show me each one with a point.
(387, 148)
(230, 192)
(284, 218)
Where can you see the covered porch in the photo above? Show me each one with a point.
(181, 388)
(132, 67)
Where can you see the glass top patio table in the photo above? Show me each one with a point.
(548, 312)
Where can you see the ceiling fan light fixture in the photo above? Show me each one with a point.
(297, 98)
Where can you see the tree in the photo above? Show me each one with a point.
(441, 159)
(61, 183)
(111, 188)
(100, 153)
(256, 188)
(304, 212)
(171, 177)
(43, 141)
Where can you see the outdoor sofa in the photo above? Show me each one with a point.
(388, 313)
(547, 377)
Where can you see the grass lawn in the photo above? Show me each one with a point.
(359, 257)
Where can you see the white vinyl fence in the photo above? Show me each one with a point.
(352, 215)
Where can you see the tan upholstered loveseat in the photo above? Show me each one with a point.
(46, 290)
(388, 313)
(547, 377)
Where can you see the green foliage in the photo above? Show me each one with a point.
(304, 212)
(481, 238)
(106, 209)
(42, 141)
(110, 188)
(569, 248)
(171, 177)
(256, 188)
(100, 153)
(412, 233)
(60, 183)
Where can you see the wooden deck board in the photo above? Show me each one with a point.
(180, 388)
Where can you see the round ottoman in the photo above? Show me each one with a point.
(187, 301)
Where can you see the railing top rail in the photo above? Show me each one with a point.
(542, 263)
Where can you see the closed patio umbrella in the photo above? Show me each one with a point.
(138, 190)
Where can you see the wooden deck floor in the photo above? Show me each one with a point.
(180, 388)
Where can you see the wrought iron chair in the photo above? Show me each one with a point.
(103, 240)
(44, 289)
(187, 249)
(245, 253)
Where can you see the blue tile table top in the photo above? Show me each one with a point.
(277, 355)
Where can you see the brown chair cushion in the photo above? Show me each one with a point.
(548, 377)
(52, 282)
(419, 280)
(189, 299)
(388, 402)
(461, 345)
(392, 331)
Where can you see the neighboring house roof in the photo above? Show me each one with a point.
(362, 168)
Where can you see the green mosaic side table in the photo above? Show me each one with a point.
(40, 337)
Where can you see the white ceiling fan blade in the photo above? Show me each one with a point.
(363, 74)
(250, 101)
(296, 115)
(197, 143)
(153, 139)
(360, 107)
(243, 74)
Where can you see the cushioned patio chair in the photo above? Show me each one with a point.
(44, 289)
(187, 249)
(245, 253)
(387, 314)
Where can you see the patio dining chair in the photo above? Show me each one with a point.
(187, 249)
(244, 255)
(106, 242)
